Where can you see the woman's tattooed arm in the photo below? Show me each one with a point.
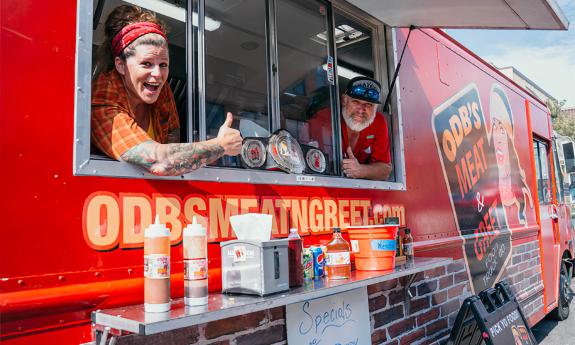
(173, 159)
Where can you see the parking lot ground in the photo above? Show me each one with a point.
(551, 332)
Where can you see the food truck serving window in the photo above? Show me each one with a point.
(279, 66)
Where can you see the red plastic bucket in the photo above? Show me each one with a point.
(373, 246)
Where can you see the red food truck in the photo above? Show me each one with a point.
(474, 169)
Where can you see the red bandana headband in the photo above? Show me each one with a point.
(130, 33)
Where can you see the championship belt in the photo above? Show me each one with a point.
(254, 154)
(285, 153)
(315, 159)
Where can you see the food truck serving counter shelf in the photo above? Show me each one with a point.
(474, 173)
(133, 318)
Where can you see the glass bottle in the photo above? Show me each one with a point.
(408, 244)
(295, 252)
(338, 265)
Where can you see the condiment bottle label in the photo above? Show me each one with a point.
(337, 258)
(408, 249)
(157, 266)
(196, 269)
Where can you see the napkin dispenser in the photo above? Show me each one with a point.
(254, 267)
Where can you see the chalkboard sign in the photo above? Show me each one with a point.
(341, 319)
(492, 318)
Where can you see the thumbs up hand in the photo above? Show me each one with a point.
(229, 120)
(350, 165)
(229, 138)
(349, 152)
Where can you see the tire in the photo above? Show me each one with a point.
(562, 311)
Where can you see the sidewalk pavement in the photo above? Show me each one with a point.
(550, 332)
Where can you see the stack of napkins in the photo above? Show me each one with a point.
(252, 226)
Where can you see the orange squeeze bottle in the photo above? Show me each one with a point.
(157, 268)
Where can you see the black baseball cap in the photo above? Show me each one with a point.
(365, 89)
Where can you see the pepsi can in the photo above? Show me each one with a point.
(318, 261)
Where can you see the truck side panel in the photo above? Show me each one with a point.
(434, 68)
(53, 274)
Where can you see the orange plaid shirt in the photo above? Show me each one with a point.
(114, 127)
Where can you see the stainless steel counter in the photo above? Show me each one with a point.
(133, 318)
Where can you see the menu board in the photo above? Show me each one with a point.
(341, 319)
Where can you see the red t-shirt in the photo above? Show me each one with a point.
(373, 142)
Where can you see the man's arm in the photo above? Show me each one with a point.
(181, 158)
(375, 171)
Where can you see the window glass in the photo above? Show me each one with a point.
(236, 68)
(173, 15)
(542, 172)
(558, 176)
(354, 39)
(304, 88)
(354, 44)
(194, 95)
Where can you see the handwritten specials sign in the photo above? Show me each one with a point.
(341, 319)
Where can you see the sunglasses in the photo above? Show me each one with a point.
(371, 95)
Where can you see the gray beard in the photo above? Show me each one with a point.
(354, 126)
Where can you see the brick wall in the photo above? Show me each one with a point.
(437, 297)
(524, 276)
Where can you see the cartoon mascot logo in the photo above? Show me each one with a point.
(513, 189)
(485, 181)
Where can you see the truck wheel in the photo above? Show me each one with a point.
(562, 311)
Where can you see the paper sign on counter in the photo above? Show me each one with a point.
(341, 319)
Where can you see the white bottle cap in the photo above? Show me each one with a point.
(194, 229)
(157, 229)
